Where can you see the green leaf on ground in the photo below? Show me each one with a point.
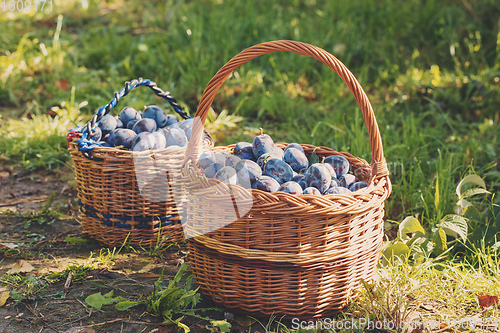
(125, 305)
(97, 300)
(440, 241)
(223, 325)
(397, 249)
(454, 225)
(75, 240)
(469, 180)
(410, 225)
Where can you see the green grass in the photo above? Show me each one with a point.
(431, 70)
(435, 290)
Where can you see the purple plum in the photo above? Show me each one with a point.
(127, 114)
(318, 176)
(278, 170)
(108, 123)
(267, 184)
(291, 187)
(144, 125)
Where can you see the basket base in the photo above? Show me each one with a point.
(114, 236)
(264, 289)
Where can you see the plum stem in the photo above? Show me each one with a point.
(261, 131)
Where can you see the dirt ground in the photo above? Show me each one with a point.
(52, 245)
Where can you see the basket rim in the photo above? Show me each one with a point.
(99, 152)
(196, 181)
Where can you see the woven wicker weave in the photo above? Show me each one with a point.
(112, 206)
(297, 256)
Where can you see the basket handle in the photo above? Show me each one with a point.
(86, 146)
(378, 164)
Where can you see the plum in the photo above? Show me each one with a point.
(227, 175)
(131, 123)
(262, 144)
(160, 141)
(311, 190)
(222, 156)
(110, 137)
(144, 125)
(108, 123)
(357, 186)
(339, 163)
(244, 150)
(143, 141)
(290, 187)
(122, 137)
(278, 152)
(172, 119)
(96, 134)
(337, 190)
(331, 170)
(333, 184)
(119, 123)
(301, 179)
(157, 114)
(174, 125)
(206, 158)
(248, 169)
(127, 114)
(232, 160)
(296, 159)
(347, 180)
(267, 184)
(186, 124)
(104, 144)
(212, 169)
(175, 136)
(335, 180)
(318, 176)
(262, 160)
(278, 170)
(296, 146)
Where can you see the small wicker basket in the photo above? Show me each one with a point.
(125, 195)
(298, 256)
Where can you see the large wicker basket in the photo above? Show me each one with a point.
(125, 195)
(298, 256)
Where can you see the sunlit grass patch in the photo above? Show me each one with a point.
(40, 141)
(434, 291)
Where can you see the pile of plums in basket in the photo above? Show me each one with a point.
(151, 129)
(264, 166)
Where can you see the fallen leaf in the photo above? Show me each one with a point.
(80, 329)
(21, 266)
(75, 240)
(4, 296)
(244, 321)
(486, 301)
(147, 275)
(222, 325)
(8, 245)
(162, 329)
(147, 268)
(62, 84)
